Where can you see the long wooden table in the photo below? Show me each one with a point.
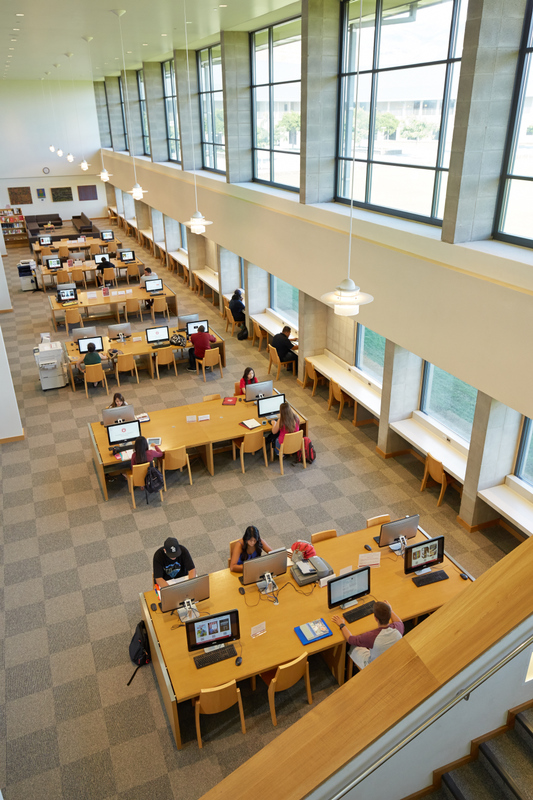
(172, 426)
(178, 678)
(72, 244)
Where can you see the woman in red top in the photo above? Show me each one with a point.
(247, 379)
(142, 454)
(287, 422)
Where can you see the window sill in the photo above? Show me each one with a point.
(513, 500)
(363, 376)
(442, 431)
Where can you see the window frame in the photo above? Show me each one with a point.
(281, 312)
(143, 111)
(424, 399)
(208, 95)
(523, 450)
(108, 115)
(174, 98)
(359, 349)
(123, 109)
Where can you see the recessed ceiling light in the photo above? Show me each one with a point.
(13, 40)
(16, 29)
(129, 52)
(11, 48)
(189, 23)
(222, 6)
(164, 34)
(145, 44)
(116, 58)
(19, 15)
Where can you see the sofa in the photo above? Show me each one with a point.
(43, 219)
(82, 224)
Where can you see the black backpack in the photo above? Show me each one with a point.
(139, 648)
(154, 480)
(243, 333)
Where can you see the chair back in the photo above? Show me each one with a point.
(176, 458)
(160, 304)
(231, 546)
(94, 373)
(322, 536)
(257, 330)
(381, 520)
(197, 282)
(62, 276)
(209, 397)
(289, 674)
(292, 442)
(109, 274)
(212, 357)
(46, 251)
(273, 354)
(133, 270)
(335, 390)
(72, 315)
(77, 276)
(132, 306)
(237, 388)
(435, 468)
(138, 472)
(212, 701)
(185, 273)
(125, 362)
(310, 370)
(94, 249)
(165, 355)
(226, 304)
(63, 252)
(112, 247)
(252, 441)
(229, 315)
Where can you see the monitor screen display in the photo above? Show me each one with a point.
(99, 257)
(114, 330)
(423, 554)
(348, 587)
(157, 334)
(274, 562)
(53, 263)
(83, 344)
(154, 285)
(112, 416)
(127, 255)
(45, 240)
(123, 432)
(107, 236)
(391, 531)
(175, 595)
(261, 389)
(269, 405)
(215, 629)
(192, 327)
(64, 295)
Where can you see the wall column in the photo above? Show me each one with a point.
(11, 429)
(115, 114)
(188, 113)
(256, 288)
(312, 327)
(237, 105)
(155, 109)
(142, 215)
(197, 254)
(402, 374)
(129, 205)
(101, 113)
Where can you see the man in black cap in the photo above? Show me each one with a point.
(172, 561)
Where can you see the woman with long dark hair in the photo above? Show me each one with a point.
(247, 379)
(141, 453)
(287, 422)
(250, 546)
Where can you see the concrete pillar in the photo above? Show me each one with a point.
(196, 244)
(155, 109)
(133, 116)
(312, 329)
(400, 393)
(11, 429)
(142, 215)
(256, 289)
(493, 445)
(320, 67)
(101, 113)
(115, 114)
(129, 205)
(229, 274)
(158, 230)
(492, 37)
(119, 200)
(172, 234)
(340, 336)
(111, 197)
(5, 299)
(188, 110)
(237, 105)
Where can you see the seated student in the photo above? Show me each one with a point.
(141, 453)
(118, 401)
(284, 346)
(148, 276)
(172, 561)
(236, 306)
(250, 546)
(247, 379)
(201, 342)
(104, 264)
(90, 357)
(287, 422)
(368, 646)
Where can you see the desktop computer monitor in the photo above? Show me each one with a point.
(274, 562)
(344, 590)
(175, 595)
(83, 344)
(215, 629)
(123, 432)
(262, 389)
(423, 555)
(67, 292)
(45, 241)
(268, 406)
(192, 327)
(114, 330)
(112, 416)
(107, 236)
(53, 263)
(154, 335)
(99, 257)
(391, 531)
(81, 333)
(127, 255)
(154, 285)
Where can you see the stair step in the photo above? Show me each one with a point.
(472, 782)
(513, 755)
(524, 726)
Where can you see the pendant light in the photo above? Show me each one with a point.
(104, 175)
(347, 297)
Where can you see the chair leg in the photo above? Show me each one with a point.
(303, 455)
(220, 365)
(308, 684)
(241, 711)
(86, 392)
(265, 454)
(279, 370)
(117, 375)
(233, 453)
(242, 458)
(315, 384)
(443, 489)
(281, 460)
(197, 718)
(272, 703)
(189, 468)
(203, 370)
(425, 479)
(341, 406)
(136, 373)
(164, 475)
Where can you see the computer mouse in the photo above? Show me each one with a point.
(264, 422)
(238, 661)
(464, 576)
(241, 590)
(153, 607)
(367, 547)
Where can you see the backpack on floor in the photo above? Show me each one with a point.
(139, 648)
(243, 333)
(154, 480)
(310, 452)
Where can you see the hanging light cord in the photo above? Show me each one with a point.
(76, 101)
(128, 119)
(355, 131)
(190, 104)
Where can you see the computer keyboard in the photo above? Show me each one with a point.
(353, 614)
(206, 659)
(158, 346)
(156, 294)
(431, 577)
(119, 448)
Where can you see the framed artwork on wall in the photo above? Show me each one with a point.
(62, 194)
(20, 196)
(87, 193)
(41, 194)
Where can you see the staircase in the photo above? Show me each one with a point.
(503, 770)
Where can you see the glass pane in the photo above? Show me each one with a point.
(526, 466)
(218, 105)
(461, 22)
(287, 116)
(367, 35)
(522, 164)
(404, 116)
(209, 158)
(169, 110)
(216, 56)
(363, 117)
(262, 165)
(517, 217)
(414, 32)
(371, 352)
(456, 68)
(166, 79)
(261, 57)
(220, 158)
(207, 120)
(287, 51)
(344, 188)
(205, 83)
(142, 95)
(262, 117)
(402, 188)
(287, 169)
(183, 234)
(442, 195)
(284, 299)
(451, 401)
(172, 150)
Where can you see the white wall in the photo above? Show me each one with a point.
(10, 424)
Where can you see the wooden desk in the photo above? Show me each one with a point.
(72, 245)
(272, 325)
(178, 677)
(87, 267)
(424, 440)
(208, 277)
(355, 387)
(172, 426)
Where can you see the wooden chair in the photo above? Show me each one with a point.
(381, 520)
(132, 271)
(250, 443)
(197, 285)
(213, 701)
(337, 395)
(132, 307)
(136, 477)
(211, 359)
(209, 397)
(185, 274)
(291, 444)
(175, 459)
(45, 251)
(231, 321)
(63, 252)
(78, 276)
(231, 546)
(160, 307)
(62, 276)
(275, 359)
(322, 536)
(285, 676)
(237, 389)
(312, 374)
(112, 247)
(73, 317)
(260, 334)
(226, 305)
(109, 276)
(165, 356)
(436, 472)
(94, 373)
(95, 249)
(125, 363)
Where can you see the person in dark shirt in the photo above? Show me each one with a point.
(201, 342)
(90, 357)
(142, 454)
(236, 306)
(172, 561)
(284, 346)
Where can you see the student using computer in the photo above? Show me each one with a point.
(236, 306)
(250, 546)
(141, 454)
(118, 401)
(201, 342)
(104, 264)
(247, 379)
(172, 561)
(287, 422)
(90, 357)
(368, 646)
(284, 346)
(148, 276)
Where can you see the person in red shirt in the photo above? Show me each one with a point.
(202, 342)
(247, 379)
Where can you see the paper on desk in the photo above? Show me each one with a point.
(369, 560)
(258, 630)
(203, 417)
(113, 293)
(121, 292)
(91, 295)
(136, 338)
(345, 570)
(191, 418)
(129, 291)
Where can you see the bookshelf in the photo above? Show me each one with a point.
(13, 226)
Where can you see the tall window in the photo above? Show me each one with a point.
(171, 111)
(524, 464)
(516, 190)
(276, 92)
(123, 109)
(212, 108)
(409, 61)
(144, 115)
(370, 352)
(284, 299)
(108, 117)
(449, 400)
(183, 236)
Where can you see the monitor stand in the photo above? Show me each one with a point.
(188, 611)
(423, 571)
(348, 604)
(268, 584)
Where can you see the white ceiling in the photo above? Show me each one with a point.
(50, 28)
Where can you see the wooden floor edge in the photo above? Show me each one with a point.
(395, 453)
(5, 310)
(13, 438)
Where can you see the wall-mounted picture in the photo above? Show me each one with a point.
(87, 193)
(41, 194)
(20, 196)
(62, 194)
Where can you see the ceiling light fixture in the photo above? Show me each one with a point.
(19, 15)
(347, 297)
